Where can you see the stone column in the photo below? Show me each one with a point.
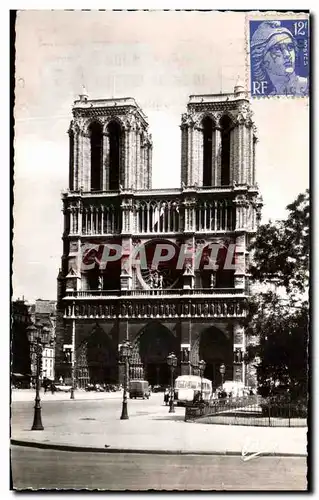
(240, 253)
(184, 155)
(79, 211)
(149, 166)
(77, 159)
(86, 162)
(241, 131)
(217, 157)
(137, 169)
(232, 166)
(189, 210)
(239, 351)
(190, 171)
(186, 335)
(130, 182)
(255, 141)
(188, 274)
(126, 266)
(73, 180)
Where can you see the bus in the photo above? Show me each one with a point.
(187, 386)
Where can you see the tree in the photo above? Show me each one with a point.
(278, 326)
(281, 331)
(281, 249)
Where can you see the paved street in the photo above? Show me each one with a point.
(96, 423)
(33, 468)
(93, 421)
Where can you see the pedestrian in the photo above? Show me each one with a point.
(166, 396)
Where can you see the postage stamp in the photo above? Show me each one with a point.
(279, 57)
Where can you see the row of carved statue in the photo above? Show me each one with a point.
(199, 309)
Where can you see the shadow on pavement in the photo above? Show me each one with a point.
(170, 417)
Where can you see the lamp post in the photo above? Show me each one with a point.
(222, 370)
(38, 336)
(202, 366)
(125, 352)
(172, 363)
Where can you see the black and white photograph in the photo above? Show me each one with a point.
(160, 254)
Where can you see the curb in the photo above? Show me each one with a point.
(89, 449)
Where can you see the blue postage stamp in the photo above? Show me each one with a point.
(279, 57)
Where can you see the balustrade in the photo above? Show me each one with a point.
(215, 216)
(153, 216)
(154, 293)
(201, 308)
(158, 217)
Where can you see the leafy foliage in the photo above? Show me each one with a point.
(281, 332)
(278, 327)
(281, 249)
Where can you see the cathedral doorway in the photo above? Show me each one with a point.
(96, 360)
(150, 351)
(216, 349)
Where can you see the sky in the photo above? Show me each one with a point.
(159, 58)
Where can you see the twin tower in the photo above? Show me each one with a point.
(111, 147)
(195, 312)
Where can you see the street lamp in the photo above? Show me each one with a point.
(38, 336)
(125, 352)
(222, 370)
(202, 366)
(172, 363)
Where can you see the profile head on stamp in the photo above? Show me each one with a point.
(274, 64)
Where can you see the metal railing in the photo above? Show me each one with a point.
(154, 292)
(251, 410)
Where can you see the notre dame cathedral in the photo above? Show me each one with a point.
(192, 311)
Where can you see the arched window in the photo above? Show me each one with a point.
(96, 156)
(71, 160)
(114, 130)
(207, 153)
(225, 124)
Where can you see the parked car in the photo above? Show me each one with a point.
(139, 389)
(158, 388)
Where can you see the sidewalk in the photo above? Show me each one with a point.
(150, 428)
(81, 395)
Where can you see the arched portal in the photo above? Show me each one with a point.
(216, 349)
(150, 351)
(96, 360)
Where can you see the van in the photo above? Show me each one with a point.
(139, 389)
(187, 386)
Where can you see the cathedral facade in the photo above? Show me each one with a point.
(186, 287)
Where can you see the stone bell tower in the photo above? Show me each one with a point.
(110, 147)
(218, 141)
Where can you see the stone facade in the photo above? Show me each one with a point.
(192, 311)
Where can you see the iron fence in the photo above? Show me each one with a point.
(251, 410)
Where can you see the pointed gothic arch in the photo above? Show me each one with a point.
(225, 126)
(215, 348)
(151, 347)
(96, 142)
(207, 125)
(96, 359)
(115, 141)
